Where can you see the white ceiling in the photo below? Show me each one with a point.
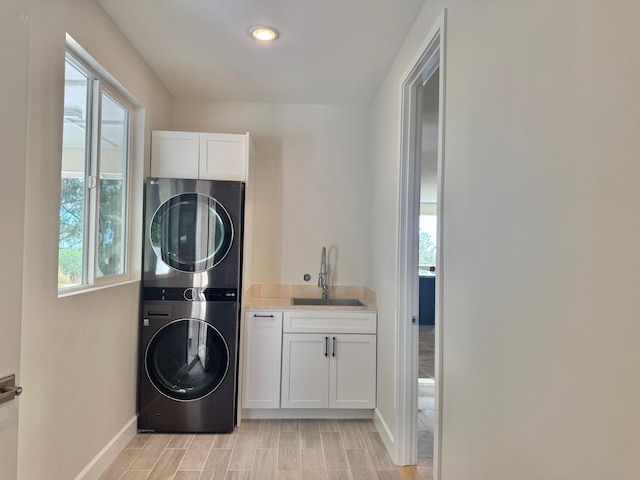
(333, 52)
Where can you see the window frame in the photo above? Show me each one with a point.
(101, 83)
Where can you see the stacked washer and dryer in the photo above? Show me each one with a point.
(190, 305)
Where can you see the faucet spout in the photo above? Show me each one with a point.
(322, 277)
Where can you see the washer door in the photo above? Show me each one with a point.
(187, 359)
(191, 232)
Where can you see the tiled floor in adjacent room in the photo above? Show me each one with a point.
(426, 401)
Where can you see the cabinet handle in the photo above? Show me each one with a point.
(333, 354)
(262, 316)
(326, 346)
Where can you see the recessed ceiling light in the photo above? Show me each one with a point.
(264, 33)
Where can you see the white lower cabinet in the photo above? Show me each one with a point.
(262, 347)
(309, 359)
(328, 369)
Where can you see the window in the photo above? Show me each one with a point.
(427, 244)
(92, 246)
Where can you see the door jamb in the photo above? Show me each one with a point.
(429, 56)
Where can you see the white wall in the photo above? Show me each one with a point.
(311, 185)
(541, 235)
(383, 179)
(79, 354)
(14, 57)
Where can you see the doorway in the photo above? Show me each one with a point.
(422, 139)
(427, 271)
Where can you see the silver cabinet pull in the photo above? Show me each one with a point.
(8, 389)
(333, 354)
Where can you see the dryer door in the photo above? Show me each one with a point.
(187, 359)
(191, 232)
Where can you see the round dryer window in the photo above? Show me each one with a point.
(187, 359)
(191, 232)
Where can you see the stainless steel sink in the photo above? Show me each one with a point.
(329, 302)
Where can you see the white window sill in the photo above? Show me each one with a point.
(71, 291)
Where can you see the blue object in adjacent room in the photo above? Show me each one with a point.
(427, 301)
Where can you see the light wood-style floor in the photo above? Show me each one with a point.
(264, 450)
(284, 449)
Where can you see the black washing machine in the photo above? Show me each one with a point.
(188, 360)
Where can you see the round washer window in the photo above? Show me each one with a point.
(191, 232)
(187, 359)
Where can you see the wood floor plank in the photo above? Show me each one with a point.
(377, 451)
(151, 452)
(181, 441)
(289, 475)
(408, 473)
(351, 434)
(268, 434)
(238, 475)
(391, 474)
(215, 468)
(250, 425)
(264, 464)
(289, 451)
(290, 425)
(367, 425)
(168, 464)
(243, 451)
(193, 475)
(197, 453)
(360, 465)
(120, 464)
(225, 440)
(328, 425)
(139, 440)
(312, 460)
(135, 475)
(339, 475)
(310, 434)
(335, 456)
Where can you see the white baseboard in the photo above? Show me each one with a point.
(299, 413)
(99, 464)
(385, 433)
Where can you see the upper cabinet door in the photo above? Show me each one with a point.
(174, 154)
(223, 156)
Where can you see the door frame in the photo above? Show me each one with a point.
(430, 56)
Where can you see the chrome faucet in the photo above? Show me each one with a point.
(322, 278)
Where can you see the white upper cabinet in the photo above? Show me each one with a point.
(174, 154)
(223, 156)
(205, 156)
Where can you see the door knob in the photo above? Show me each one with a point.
(8, 388)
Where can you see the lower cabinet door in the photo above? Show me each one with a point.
(352, 382)
(262, 352)
(305, 370)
